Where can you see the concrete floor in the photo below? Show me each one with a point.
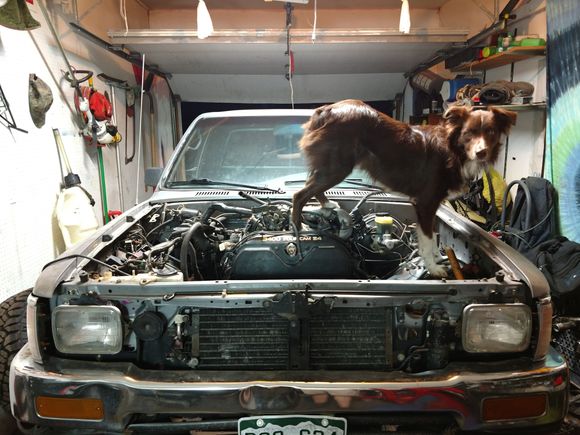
(7, 424)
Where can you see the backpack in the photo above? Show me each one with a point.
(559, 261)
(533, 216)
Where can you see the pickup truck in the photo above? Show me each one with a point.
(204, 310)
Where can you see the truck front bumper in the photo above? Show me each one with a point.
(127, 391)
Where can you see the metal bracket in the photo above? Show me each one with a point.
(296, 305)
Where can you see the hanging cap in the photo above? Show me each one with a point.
(39, 99)
(14, 14)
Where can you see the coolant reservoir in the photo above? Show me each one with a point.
(75, 215)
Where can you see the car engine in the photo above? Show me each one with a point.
(223, 241)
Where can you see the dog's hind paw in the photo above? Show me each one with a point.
(437, 271)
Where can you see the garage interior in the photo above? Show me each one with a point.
(155, 69)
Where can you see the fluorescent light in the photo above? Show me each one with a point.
(204, 23)
(405, 21)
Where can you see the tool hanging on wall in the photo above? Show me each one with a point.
(97, 112)
(6, 118)
(82, 96)
(152, 130)
(146, 86)
(115, 83)
(130, 113)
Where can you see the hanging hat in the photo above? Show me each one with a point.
(14, 14)
(39, 99)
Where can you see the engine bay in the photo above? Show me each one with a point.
(230, 240)
(231, 285)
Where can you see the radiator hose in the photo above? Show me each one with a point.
(220, 206)
(194, 241)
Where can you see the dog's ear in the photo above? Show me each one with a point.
(456, 115)
(504, 119)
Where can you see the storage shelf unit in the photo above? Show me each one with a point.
(519, 107)
(514, 54)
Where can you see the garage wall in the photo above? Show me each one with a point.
(30, 173)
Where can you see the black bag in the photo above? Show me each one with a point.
(559, 261)
(533, 214)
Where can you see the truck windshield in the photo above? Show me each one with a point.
(258, 150)
(244, 149)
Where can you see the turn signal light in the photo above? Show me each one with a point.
(514, 407)
(80, 409)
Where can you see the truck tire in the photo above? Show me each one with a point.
(12, 339)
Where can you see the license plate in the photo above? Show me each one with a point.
(292, 425)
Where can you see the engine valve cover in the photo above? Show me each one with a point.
(282, 256)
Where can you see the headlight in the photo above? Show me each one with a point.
(495, 328)
(87, 329)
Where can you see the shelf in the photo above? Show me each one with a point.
(514, 54)
(520, 107)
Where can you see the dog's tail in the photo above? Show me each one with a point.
(318, 120)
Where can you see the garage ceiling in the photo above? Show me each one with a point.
(322, 4)
(263, 52)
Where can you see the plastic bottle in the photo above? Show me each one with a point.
(75, 215)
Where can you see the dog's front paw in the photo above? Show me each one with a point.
(331, 204)
(438, 258)
(437, 270)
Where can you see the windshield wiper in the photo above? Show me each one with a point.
(208, 182)
(353, 181)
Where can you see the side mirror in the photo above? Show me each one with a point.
(152, 176)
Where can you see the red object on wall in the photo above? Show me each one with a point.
(114, 213)
(30, 1)
(291, 62)
(100, 106)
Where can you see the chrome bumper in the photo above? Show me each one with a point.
(127, 390)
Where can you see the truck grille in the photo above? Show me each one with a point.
(256, 338)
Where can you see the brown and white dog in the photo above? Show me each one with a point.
(427, 163)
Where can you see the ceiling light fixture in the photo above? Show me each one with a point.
(405, 21)
(204, 23)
